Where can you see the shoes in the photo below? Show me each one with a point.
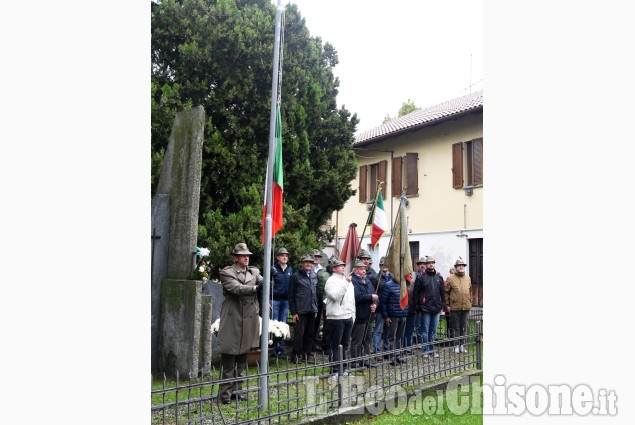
(436, 355)
(241, 397)
(369, 365)
(225, 400)
(463, 350)
(400, 360)
(380, 358)
(457, 349)
(395, 362)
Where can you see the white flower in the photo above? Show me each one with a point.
(215, 326)
(201, 269)
(204, 252)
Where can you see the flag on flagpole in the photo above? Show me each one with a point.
(278, 187)
(380, 226)
(398, 257)
(350, 248)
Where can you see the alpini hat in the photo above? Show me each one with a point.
(460, 262)
(364, 254)
(307, 257)
(421, 260)
(337, 262)
(241, 249)
(382, 261)
(282, 251)
(429, 259)
(316, 253)
(359, 263)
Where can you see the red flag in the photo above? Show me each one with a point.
(350, 247)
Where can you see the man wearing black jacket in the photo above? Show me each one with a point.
(429, 300)
(281, 273)
(303, 305)
(365, 299)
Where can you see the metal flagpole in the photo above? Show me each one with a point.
(264, 333)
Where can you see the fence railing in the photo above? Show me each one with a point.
(296, 391)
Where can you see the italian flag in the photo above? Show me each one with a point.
(379, 221)
(278, 187)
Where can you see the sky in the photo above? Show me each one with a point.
(389, 52)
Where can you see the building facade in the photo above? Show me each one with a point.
(434, 158)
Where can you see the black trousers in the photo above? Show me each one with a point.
(339, 333)
(303, 334)
(229, 363)
(360, 345)
(459, 324)
(395, 332)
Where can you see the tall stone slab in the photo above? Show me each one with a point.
(184, 312)
(181, 179)
(160, 249)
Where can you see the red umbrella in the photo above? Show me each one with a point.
(350, 248)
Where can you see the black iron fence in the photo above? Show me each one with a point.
(310, 388)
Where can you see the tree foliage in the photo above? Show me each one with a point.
(406, 108)
(218, 53)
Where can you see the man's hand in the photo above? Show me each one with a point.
(295, 318)
(419, 314)
(375, 297)
(388, 321)
(373, 307)
(259, 289)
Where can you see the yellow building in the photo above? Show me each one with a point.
(434, 157)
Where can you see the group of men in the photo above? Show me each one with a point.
(348, 303)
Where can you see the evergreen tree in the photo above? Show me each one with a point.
(218, 53)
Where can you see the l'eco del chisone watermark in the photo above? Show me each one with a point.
(468, 395)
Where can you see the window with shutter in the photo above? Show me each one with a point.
(477, 161)
(457, 165)
(414, 252)
(381, 175)
(372, 183)
(396, 177)
(362, 183)
(411, 175)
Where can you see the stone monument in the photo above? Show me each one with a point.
(181, 314)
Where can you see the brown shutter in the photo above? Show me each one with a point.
(396, 177)
(412, 176)
(477, 161)
(457, 165)
(381, 175)
(362, 183)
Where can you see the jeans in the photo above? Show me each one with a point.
(410, 327)
(279, 312)
(339, 333)
(377, 335)
(429, 323)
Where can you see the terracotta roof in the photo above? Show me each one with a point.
(422, 118)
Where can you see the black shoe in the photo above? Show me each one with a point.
(225, 400)
(394, 362)
(402, 360)
(370, 365)
(241, 397)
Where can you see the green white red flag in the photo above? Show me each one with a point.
(278, 186)
(380, 225)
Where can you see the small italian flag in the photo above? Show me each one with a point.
(379, 221)
(278, 187)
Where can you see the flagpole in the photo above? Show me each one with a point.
(264, 333)
(372, 211)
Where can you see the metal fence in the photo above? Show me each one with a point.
(297, 391)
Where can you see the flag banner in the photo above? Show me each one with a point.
(278, 186)
(350, 248)
(380, 225)
(398, 257)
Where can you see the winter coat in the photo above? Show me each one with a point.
(382, 279)
(281, 281)
(340, 298)
(239, 327)
(363, 297)
(372, 276)
(458, 292)
(323, 276)
(389, 301)
(429, 293)
(303, 292)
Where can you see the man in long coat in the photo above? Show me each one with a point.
(239, 328)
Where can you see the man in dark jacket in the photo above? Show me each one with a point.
(394, 317)
(429, 300)
(365, 299)
(281, 273)
(384, 277)
(371, 274)
(303, 305)
(322, 276)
